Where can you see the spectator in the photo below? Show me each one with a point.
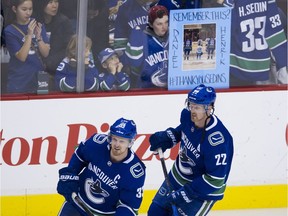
(59, 31)
(4, 54)
(192, 4)
(27, 43)
(251, 61)
(105, 174)
(66, 73)
(97, 23)
(98, 26)
(148, 57)
(113, 77)
(69, 9)
(137, 17)
(126, 21)
(171, 4)
(113, 6)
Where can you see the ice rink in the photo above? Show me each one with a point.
(250, 212)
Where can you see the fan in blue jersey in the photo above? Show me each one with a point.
(202, 167)
(132, 14)
(66, 73)
(191, 4)
(105, 174)
(112, 77)
(147, 51)
(27, 43)
(257, 40)
(113, 6)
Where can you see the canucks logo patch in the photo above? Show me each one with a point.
(100, 138)
(216, 138)
(137, 170)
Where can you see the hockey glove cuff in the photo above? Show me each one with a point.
(181, 195)
(163, 139)
(68, 183)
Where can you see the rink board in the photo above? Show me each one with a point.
(29, 174)
(242, 197)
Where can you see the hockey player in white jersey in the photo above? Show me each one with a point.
(105, 174)
(202, 167)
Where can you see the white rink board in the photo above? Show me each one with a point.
(257, 121)
(253, 212)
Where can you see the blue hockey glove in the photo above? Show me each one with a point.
(68, 183)
(162, 139)
(180, 196)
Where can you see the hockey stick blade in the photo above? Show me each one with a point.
(164, 168)
(82, 204)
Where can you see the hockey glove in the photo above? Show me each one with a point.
(180, 196)
(162, 139)
(68, 183)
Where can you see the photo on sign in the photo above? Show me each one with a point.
(199, 46)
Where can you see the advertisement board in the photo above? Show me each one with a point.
(38, 137)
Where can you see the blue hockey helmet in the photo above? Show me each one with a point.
(124, 128)
(202, 94)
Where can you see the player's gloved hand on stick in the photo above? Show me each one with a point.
(162, 139)
(68, 183)
(180, 196)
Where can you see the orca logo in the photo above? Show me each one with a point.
(95, 192)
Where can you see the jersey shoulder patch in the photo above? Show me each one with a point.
(216, 138)
(137, 170)
(100, 138)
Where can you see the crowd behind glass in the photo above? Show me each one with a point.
(39, 45)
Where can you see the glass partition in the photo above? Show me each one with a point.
(55, 46)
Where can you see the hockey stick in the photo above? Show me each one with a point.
(164, 168)
(82, 204)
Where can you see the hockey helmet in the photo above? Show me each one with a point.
(202, 94)
(124, 128)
